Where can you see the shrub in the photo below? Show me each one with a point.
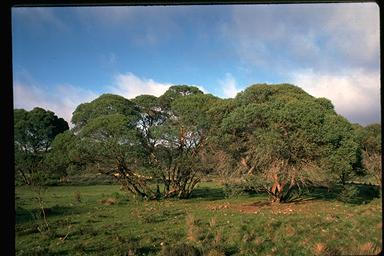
(89, 179)
(349, 194)
(358, 194)
(233, 190)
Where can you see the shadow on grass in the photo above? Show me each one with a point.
(351, 193)
(146, 250)
(348, 193)
(157, 217)
(207, 193)
(23, 215)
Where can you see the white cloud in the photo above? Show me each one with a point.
(62, 100)
(355, 94)
(129, 86)
(355, 32)
(228, 85)
(330, 50)
(201, 88)
(323, 36)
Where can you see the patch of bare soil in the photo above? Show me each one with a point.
(247, 208)
(251, 208)
(275, 208)
(109, 201)
(219, 207)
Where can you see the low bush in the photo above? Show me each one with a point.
(233, 190)
(88, 179)
(358, 194)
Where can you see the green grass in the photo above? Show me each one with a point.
(101, 220)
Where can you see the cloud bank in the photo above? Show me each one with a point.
(129, 86)
(62, 100)
(356, 95)
(320, 36)
(330, 50)
(228, 86)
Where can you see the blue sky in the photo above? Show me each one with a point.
(65, 56)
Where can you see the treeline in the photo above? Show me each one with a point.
(276, 138)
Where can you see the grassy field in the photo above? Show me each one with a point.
(100, 220)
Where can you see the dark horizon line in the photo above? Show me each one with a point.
(68, 3)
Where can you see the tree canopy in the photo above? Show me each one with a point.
(369, 138)
(104, 105)
(283, 139)
(34, 132)
(278, 138)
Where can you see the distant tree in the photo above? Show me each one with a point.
(370, 144)
(284, 139)
(34, 132)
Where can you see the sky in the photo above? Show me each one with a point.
(65, 56)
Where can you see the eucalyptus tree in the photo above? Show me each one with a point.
(34, 132)
(110, 141)
(177, 91)
(284, 139)
(64, 156)
(104, 105)
(182, 154)
(221, 160)
(174, 127)
(146, 140)
(152, 114)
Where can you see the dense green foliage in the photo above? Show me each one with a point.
(146, 139)
(106, 104)
(175, 92)
(370, 145)
(110, 141)
(63, 155)
(282, 139)
(275, 139)
(34, 132)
